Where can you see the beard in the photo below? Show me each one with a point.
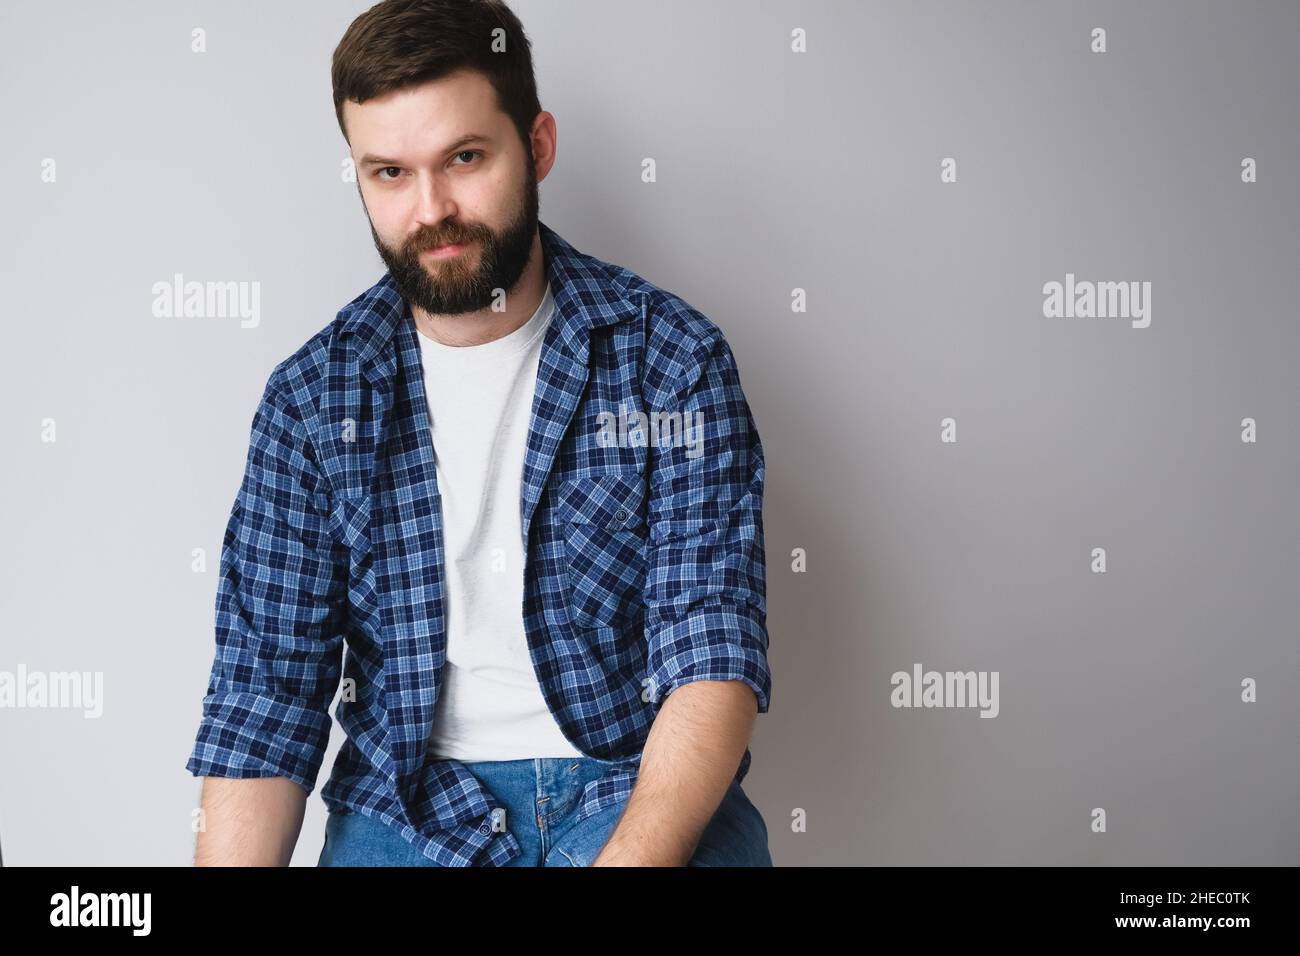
(454, 285)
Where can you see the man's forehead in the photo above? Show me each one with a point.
(414, 120)
(464, 94)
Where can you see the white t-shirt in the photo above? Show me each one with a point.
(480, 403)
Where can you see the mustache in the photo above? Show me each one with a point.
(419, 245)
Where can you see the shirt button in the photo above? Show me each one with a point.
(620, 515)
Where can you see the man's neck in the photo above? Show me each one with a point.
(483, 326)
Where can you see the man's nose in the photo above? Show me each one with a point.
(434, 200)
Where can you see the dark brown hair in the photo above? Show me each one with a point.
(402, 43)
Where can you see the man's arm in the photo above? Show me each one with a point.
(705, 615)
(690, 758)
(250, 822)
(279, 647)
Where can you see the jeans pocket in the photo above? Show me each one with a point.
(581, 843)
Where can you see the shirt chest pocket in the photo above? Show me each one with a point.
(605, 537)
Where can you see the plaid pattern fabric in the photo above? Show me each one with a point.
(644, 561)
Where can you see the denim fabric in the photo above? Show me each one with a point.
(541, 798)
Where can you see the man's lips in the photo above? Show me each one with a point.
(441, 252)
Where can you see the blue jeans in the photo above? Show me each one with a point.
(541, 797)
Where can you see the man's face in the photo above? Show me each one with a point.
(424, 185)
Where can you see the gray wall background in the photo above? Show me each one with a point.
(776, 170)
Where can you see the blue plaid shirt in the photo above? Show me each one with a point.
(644, 562)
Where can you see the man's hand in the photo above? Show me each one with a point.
(249, 822)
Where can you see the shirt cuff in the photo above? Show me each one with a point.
(245, 735)
(717, 641)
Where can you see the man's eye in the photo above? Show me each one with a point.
(379, 173)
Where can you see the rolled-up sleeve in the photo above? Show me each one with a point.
(705, 590)
(278, 611)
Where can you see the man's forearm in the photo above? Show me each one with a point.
(249, 822)
(691, 755)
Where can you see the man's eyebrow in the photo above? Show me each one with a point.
(371, 160)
